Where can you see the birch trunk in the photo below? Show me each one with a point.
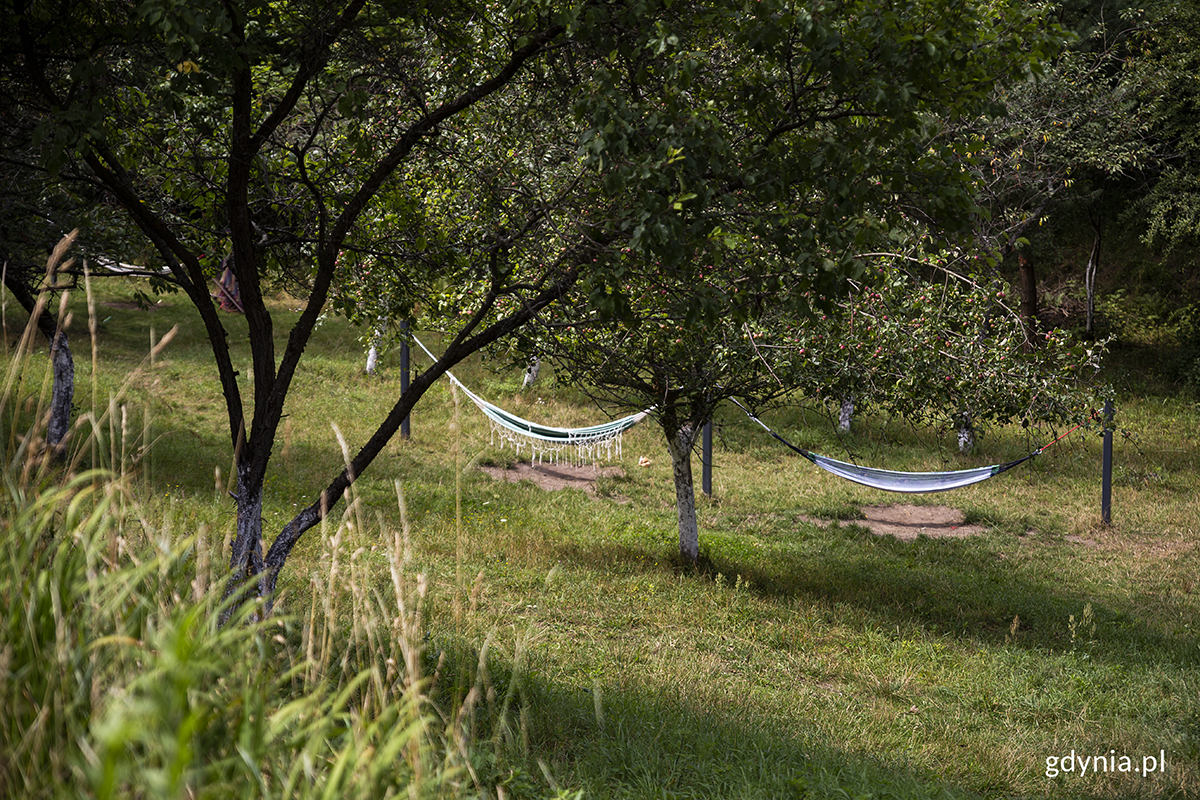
(1089, 282)
(373, 353)
(966, 434)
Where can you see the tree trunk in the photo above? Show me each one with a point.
(679, 443)
(373, 353)
(966, 434)
(531, 372)
(63, 387)
(246, 556)
(61, 394)
(1029, 301)
(1089, 282)
(846, 414)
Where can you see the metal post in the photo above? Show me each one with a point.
(1106, 476)
(404, 427)
(706, 456)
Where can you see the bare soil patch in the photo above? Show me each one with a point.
(907, 522)
(552, 477)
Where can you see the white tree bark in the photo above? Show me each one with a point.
(1089, 282)
(531, 372)
(846, 415)
(680, 447)
(966, 434)
(373, 353)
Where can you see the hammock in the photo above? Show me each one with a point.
(907, 482)
(545, 441)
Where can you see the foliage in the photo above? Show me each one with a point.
(1147, 320)
(796, 137)
(936, 343)
(1168, 64)
(1066, 136)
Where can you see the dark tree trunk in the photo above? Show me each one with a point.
(61, 394)
(1089, 282)
(63, 388)
(1029, 301)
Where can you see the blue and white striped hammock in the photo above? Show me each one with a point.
(895, 481)
(545, 441)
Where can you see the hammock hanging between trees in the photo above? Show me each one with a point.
(906, 482)
(545, 441)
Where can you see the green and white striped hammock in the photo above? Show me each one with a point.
(546, 442)
(895, 481)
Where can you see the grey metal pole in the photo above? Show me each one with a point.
(1106, 476)
(404, 425)
(706, 456)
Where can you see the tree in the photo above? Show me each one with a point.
(1168, 64)
(929, 339)
(828, 118)
(1068, 143)
(658, 357)
(286, 134)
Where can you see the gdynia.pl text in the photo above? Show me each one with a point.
(1082, 765)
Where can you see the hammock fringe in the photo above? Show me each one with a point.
(548, 443)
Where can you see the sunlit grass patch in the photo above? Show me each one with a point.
(806, 655)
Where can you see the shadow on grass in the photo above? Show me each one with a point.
(967, 588)
(624, 741)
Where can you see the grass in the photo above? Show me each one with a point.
(802, 660)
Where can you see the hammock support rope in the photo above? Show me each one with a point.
(904, 482)
(544, 441)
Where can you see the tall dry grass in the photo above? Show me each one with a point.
(117, 681)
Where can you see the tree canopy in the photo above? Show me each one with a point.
(831, 128)
(488, 160)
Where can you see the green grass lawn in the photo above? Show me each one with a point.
(803, 659)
